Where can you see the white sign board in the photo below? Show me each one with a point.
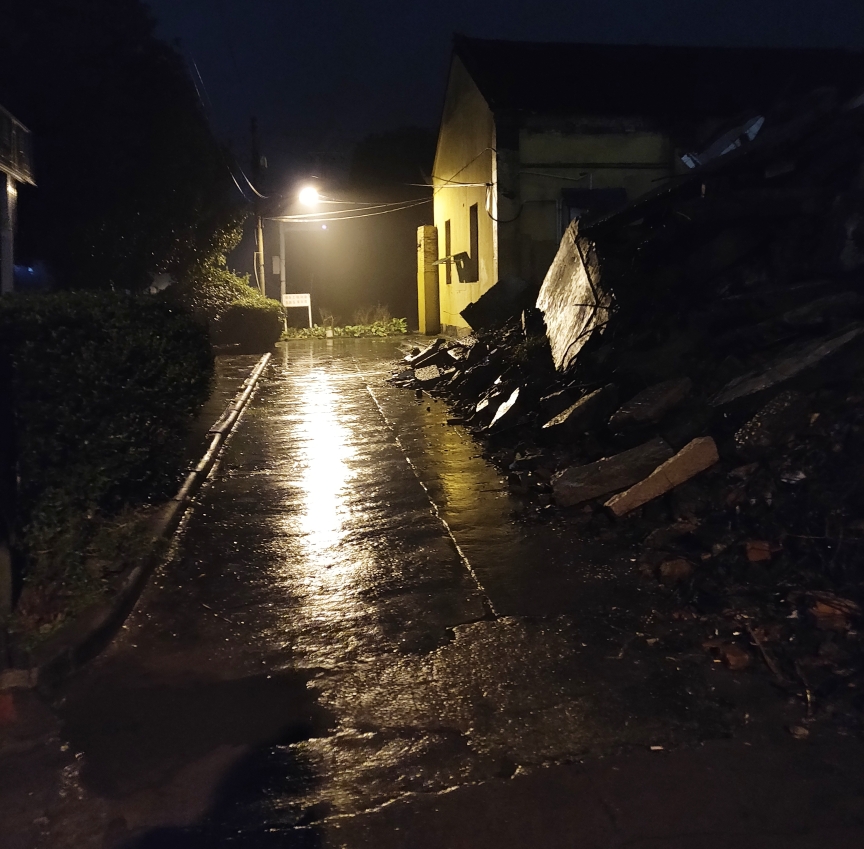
(296, 300)
(304, 300)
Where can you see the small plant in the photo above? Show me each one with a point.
(328, 319)
(380, 313)
(390, 327)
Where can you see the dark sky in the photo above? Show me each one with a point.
(321, 73)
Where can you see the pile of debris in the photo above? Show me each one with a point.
(693, 374)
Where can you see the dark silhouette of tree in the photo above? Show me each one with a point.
(130, 179)
(391, 160)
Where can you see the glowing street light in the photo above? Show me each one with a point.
(309, 196)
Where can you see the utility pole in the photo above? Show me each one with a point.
(8, 197)
(259, 223)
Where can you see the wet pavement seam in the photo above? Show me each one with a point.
(484, 596)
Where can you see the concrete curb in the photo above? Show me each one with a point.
(88, 635)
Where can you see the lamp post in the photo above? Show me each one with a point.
(308, 197)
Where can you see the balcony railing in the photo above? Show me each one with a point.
(15, 148)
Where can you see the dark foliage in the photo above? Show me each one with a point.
(130, 179)
(392, 159)
(237, 315)
(104, 389)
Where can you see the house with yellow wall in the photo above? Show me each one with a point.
(533, 135)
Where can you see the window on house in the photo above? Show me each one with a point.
(468, 262)
(474, 242)
(448, 251)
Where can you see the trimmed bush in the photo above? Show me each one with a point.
(104, 389)
(238, 316)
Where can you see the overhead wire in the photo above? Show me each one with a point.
(362, 208)
(241, 85)
(208, 113)
(457, 173)
(208, 116)
(290, 219)
(263, 197)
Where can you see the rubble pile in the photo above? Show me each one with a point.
(692, 382)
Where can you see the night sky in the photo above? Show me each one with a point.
(321, 74)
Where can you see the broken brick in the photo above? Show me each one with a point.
(759, 550)
(673, 571)
(832, 612)
(693, 458)
(582, 483)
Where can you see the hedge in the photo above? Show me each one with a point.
(238, 316)
(103, 389)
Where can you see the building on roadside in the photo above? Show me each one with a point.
(15, 167)
(533, 135)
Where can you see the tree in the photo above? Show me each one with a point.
(130, 179)
(392, 160)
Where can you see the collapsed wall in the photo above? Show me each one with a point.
(691, 385)
(572, 299)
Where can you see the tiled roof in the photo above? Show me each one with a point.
(646, 79)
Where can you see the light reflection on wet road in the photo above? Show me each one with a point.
(318, 646)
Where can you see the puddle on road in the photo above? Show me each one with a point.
(518, 691)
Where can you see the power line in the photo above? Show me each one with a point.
(364, 207)
(208, 112)
(263, 197)
(302, 219)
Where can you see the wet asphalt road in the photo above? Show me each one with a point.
(354, 632)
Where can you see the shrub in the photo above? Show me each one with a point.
(103, 390)
(372, 315)
(391, 327)
(236, 314)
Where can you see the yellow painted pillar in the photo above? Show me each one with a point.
(428, 308)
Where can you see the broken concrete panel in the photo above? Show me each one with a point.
(419, 359)
(582, 483)
(479, 377)
(555, 403)
(497, 305)
(586, 413)
(698, 455)
(833, 307)
(651, 404)
(507, 410)
(750, 386)
(572, 300)
(428, 374)
(783, 415)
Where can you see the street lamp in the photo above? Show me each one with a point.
(309, 196)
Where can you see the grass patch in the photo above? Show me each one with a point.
(76, 566)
